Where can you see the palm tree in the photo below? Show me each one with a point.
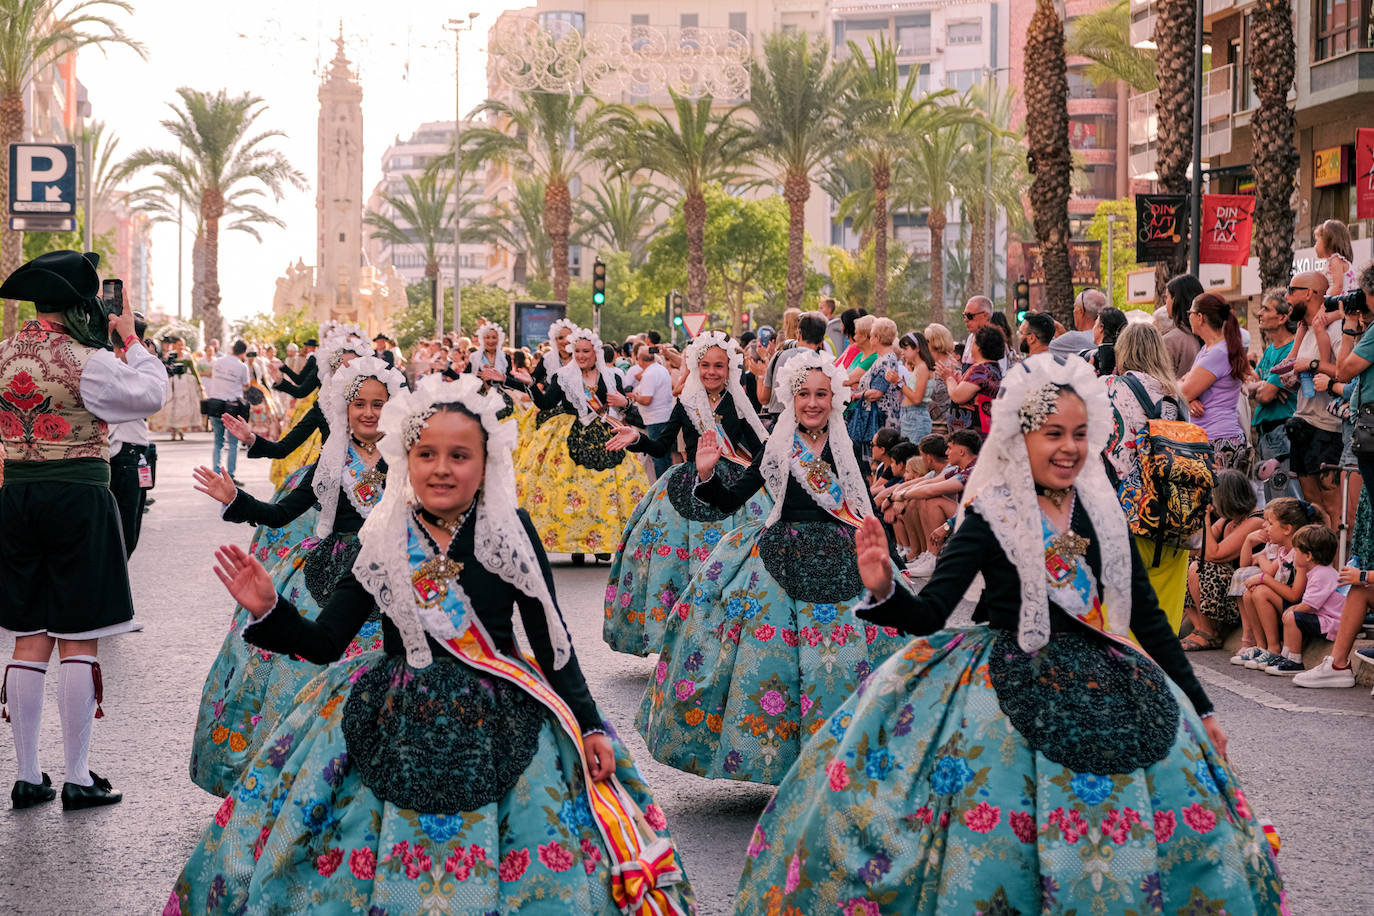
(548, 137)
(423, 220)
(34, 34)
(1048, 157)
(1175, 36)
(848, 181)
(219, 162)
(1002, 191)
(108, 172)
(620, 215)
(796, 96)
(1276, 160)
(884, 110)
(1104, 37)
(518, 226)
(701, 148)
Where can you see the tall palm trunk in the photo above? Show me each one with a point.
(936, 223)
(558, 224)
(882, 180)
(1048, 156)
(11, 240)
(198, 277)
(796, 189)
(978, 249)
(211, 209)
(1175, 36)
(694, 216)
(432, 272)
(1276, 160)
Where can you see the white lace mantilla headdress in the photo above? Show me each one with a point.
(1002, 490)
(500, 543)
(570, 376)
(552, 363)
(333, 328)
(330, 356)
(694, 399)
(334, 400)
(502, 364)
(777, 454)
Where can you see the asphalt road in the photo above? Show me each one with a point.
(1305, 756)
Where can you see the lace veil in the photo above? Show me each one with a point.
(502, 363)
(329, 358)
(1002, 490)
(570, 376)
(551, 361)
(694, 399)
(338, 391)
(501, 544)
(777, 454)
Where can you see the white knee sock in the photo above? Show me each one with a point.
(76, 679)
(24, 702)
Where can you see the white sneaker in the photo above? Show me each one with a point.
(1244, 655)
(923, 566)
(1325, 675)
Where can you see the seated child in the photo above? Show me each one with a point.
(930, 503)
(1230, 519)
(1319, 611)
(1279, 581)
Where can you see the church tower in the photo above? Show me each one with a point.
(339, 196)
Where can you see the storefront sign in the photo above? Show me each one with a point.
(1140, 286)
(1163, 226)
(1364, 173)
(1330, 166)
(1227, 224)
(1085, 263)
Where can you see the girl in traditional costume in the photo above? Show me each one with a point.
(764, 645)
(451, 774)
(1038, 761)
(580, 494)
(556, 357)
(248, 690)
(671, 531)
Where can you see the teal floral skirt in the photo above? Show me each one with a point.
(918, 796)
(667, 538)
(300, 832)
(749, 669)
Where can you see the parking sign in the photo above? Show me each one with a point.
(42, 186)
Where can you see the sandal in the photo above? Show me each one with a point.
(1197, 642)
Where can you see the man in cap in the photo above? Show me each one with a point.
(63, 576)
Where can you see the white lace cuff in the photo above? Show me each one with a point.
(256, 620)
(871, 600)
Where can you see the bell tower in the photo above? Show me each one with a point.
(339, 195)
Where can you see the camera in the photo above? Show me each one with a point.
(1353, 302)
(653, 351)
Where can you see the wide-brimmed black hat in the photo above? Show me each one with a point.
(55, 281)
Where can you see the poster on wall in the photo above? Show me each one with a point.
(1364, 173)
(1085, 260)
(1228, 221)
(1163, 226)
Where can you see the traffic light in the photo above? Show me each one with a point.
(744, 320)
(598, 283)
(677, 309)
(1022, 299)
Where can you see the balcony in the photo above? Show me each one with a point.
(1142, 21)
(1092, 107)
(1214, 8)
(1217, 121)
(1096, 155)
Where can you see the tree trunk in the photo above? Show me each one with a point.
(796, 190)
(882, 180)
(1175, 35)
(558, 224)
(1048, 157)
(198, 276)
(11, 240)
(936, 223)
(978, 250)
(432, 272)
(1275, 159)
(694, 216)
(211, 209)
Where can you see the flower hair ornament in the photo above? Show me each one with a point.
(338, 393)
(1002, 489)
(777, 460)
(330, 356)
(502, 364)
(500, 543)
(694, 399)
(570, 376)
(552, 363)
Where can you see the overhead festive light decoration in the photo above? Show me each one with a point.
(609, 60)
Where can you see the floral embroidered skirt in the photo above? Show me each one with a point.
(308, 452)
(300, 832)
(248, 689)
(748, 669)
(660, 552)
(577, 507)
(918, 796)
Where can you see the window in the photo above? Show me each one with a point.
(688, 21)
(341, 236)
(962, 80)
(739, 22)
(1337, 28)
(922, 77)
(858, 31)
(560, 23)
(913, 35)
(639, 19)
(1243, 97)
(965, 32)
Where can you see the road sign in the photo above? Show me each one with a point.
(42, 186)
(693, 322)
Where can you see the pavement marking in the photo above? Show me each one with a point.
(1271, 700)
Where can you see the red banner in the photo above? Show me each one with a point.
(1228, 220)
(1364, 173)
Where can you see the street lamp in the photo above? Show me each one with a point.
(989, 230)
(458, 27)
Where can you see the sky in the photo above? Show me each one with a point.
(278, 51)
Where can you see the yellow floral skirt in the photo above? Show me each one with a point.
(577, 506)
(309, 451)
(1169, 578)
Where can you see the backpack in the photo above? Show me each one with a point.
(1167, 500)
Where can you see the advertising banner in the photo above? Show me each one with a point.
(1228, 221)
(1163, 226)
(1364, 173)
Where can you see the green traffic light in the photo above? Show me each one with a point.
(598, 298)
(677, 320)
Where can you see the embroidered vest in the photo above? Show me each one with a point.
(42, 416)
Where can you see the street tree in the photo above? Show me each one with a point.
(1000, 186)
(1176, 38)
(35, 34)
(1104, 37)
(517, 226)
(1048, 158)
(220, 162)
(618, 213)
(423, 220)
(1272, 126)
(848, 181)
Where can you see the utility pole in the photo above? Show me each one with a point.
(458, 27)
(1111, 275)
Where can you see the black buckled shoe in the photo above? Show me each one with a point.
(28, 794)
(75, 797)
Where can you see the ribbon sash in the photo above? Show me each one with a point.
(362, 484)
(1073, 574)
(820, 481)
(728, 449)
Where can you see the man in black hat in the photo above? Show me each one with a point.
(63, 576)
